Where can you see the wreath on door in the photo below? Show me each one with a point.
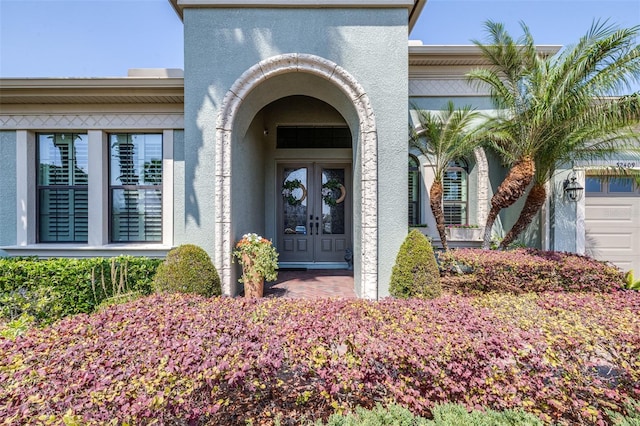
(288, 188)
(329, 190)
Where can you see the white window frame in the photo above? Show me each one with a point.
(464, 200)
(98, 187)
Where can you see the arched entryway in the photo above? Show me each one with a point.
(307, 149)
(310, 75)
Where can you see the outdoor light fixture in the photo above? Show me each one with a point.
(572, 189)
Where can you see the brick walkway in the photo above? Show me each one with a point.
(313, 284)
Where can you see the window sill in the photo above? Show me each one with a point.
(84, 250)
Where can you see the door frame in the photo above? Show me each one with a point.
(315, 167)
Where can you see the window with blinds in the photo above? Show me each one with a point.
(414, 191)
(62, 179)
(136, 187)
(455, 193)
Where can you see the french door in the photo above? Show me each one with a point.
(314, 212)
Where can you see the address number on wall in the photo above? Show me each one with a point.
(626, 164)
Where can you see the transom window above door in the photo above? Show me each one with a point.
(313, 137)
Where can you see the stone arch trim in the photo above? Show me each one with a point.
(340, 78)
(483, 185)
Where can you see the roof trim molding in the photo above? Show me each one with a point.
(415, 12)
(460, 54)
(414, 6)
(83, 90)
(88, 83)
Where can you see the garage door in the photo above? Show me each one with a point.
(612, 221)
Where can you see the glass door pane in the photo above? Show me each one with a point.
(294, 194)
(333, 197)
(333, 191)
(295, 234)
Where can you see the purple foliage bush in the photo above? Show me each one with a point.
(184, 359)
(526, 270)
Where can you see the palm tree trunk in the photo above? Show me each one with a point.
(491, 218)
(435, 200)
(532, 205)
(510, 190)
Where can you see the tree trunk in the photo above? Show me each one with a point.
(435, 199)
(510, 190)
(535, 200)
(491, 217)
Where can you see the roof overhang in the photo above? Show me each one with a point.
(464, 55)
(413, 6)
(91, 90)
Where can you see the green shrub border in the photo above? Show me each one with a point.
(443, 415)
(76, 285)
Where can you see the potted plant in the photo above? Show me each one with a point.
(259, 261)
(464, 232)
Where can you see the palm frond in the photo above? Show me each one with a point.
(445, 135)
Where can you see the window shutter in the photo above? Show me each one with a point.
(62, 188)
(136, 187)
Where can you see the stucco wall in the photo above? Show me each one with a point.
(220, 44)
(564, 216)
(8, 188)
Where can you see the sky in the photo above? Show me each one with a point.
(99, 38)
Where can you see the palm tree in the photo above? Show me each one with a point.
(443, 136)
(607, 133)
(549, 107)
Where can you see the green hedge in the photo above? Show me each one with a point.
(50, 289)
(443, 415)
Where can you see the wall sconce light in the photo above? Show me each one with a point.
(572, 189)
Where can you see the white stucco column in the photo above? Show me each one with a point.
(98, 188)
(25, 187)
(581, 233)
(167, 187)
(565, 213)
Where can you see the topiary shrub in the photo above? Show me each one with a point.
(187, 269)
(415, 273)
